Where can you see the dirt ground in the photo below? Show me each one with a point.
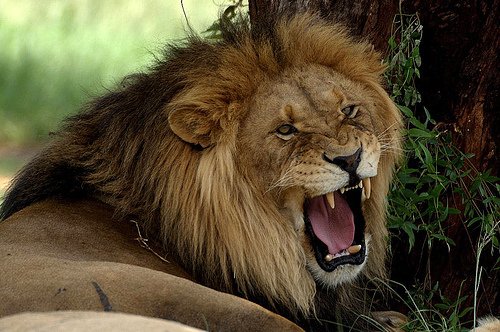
(12, 158)
(4, 181)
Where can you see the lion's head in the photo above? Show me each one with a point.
(261, 161)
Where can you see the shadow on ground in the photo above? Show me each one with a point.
(12, 158)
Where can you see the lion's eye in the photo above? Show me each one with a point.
(350, 111)
(286, 130)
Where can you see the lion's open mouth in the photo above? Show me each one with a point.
(335, 225)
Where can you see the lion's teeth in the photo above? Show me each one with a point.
(342, 190)
(367, 188)
(331, 200)
(329, 257)
(360, 184)
(354, 249)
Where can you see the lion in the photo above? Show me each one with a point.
(488, 324)
(256, 165)
(88, 321)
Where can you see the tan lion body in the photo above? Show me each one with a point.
(42, 271)
(88, 321)
(226, 154)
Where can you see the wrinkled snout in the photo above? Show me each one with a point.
(348, 164)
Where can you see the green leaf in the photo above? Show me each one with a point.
(428, 116)
(465, 311)
(495, 242)
(414, 121)
(492, 200)
(416, 132)
(418, 60)
(406, 111)
(392, 43)
(454, 211)
(408, 229)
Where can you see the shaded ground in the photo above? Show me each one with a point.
(4, 181)
(12, 158)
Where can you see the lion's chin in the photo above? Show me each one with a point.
(336, 236)
(340, 275)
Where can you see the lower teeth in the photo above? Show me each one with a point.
(349, 251)
(331, 257)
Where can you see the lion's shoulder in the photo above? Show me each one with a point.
(82, 230)
(74, 255)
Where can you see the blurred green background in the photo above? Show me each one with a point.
(56, 54)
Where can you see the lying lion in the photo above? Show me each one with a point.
(255, 166)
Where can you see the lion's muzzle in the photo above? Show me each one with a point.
(348, 164)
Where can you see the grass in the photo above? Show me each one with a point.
(57, 54)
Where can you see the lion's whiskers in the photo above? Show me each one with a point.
(387, 143)
(381, 134)
(390, 149)
(284, 181)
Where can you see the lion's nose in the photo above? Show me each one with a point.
(346, 163)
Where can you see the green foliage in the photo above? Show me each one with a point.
(430, 310)
(404, 59)
(57, 54)
(434, 178)
(434, 171)
(237, 8)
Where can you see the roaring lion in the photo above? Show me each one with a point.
(256, 165)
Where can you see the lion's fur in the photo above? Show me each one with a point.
(89, 321)
(213, 215)
(74, 255)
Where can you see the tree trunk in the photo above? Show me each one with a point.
(460, 71)
(460, 87)
(366, 18)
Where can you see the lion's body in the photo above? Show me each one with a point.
(88, 321)
(226, 152)
(105, 269)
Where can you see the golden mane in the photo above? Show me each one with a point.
(207, 209)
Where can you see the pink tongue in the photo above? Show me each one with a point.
(335, 228)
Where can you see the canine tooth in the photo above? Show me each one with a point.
(342, 190)
(360, 184)
(354, 249)
(329, 257)
(367, 190)
(331, 200)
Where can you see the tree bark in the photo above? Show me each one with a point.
(460, 87)
(365, 18)
(460, 71)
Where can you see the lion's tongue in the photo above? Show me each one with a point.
(334, 227)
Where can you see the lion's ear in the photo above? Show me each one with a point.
(194, 126)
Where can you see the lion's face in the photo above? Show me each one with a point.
(288, 152)
(311, 138)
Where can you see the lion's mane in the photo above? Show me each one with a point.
(206, 209)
